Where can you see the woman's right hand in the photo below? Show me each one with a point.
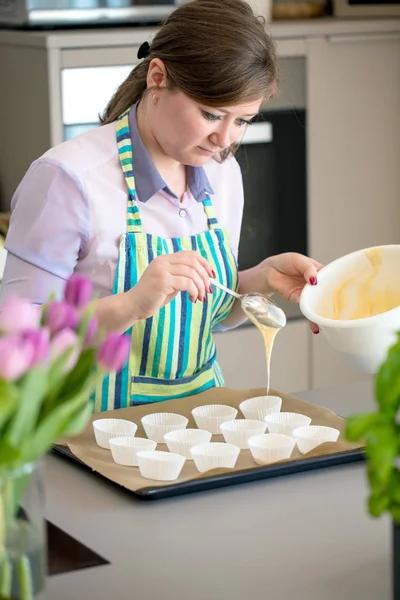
(165, 277)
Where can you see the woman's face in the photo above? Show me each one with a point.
(191, 133)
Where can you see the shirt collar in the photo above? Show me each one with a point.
(149, 181)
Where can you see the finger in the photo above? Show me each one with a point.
(314, 327)
(307, 267)
(192, 258)
(192, 274)
(185, 284)
(317, 264)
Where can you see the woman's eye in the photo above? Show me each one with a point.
(210, 116)
(243, 122)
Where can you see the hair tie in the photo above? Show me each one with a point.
(143, 50)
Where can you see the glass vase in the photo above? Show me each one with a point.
(22, 534)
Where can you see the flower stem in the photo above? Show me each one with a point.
(5, 578)
(24, 578)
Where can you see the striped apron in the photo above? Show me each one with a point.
(172, 354)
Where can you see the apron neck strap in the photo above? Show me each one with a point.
(124, 144)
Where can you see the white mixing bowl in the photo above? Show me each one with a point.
(363, 342)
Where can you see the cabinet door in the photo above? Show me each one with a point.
(241, 355)
(353, 143)
(354, 160)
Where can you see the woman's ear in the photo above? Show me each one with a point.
(156, 74)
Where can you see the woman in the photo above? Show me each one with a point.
(149, 205)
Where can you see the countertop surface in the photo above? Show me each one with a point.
(280, 30)
(304, 536)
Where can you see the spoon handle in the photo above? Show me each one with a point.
(225, 289)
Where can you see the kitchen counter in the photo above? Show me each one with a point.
(301, 536)
(301, 28)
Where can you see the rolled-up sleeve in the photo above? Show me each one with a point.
(49, 228)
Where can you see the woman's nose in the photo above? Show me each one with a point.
(222, 137)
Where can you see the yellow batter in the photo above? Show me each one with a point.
(369, 301)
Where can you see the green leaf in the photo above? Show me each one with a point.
(359, 425)
(382, 447)
(56, 424)
(9, 454)
(395, 512)
(378, 503)
(58, 370)
(9, 398)
(387, 383)
(58, 381)
(84, 322)
(33, 391)
(84, 368)
(394, 487)
(79, 421)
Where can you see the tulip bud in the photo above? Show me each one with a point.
(113, 352)
(39, 339)
(18, 315)
(61, 315)
(15, 357)
(78, 291)
(63, 341)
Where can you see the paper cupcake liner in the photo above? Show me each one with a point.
(259, 407)
(286, 422)
(311, 436)
(160, 466)
(158, 424)
(211, 416)
(180, 442)
(106, 429)
(271, 447)
(215, 455)
(124, 449)
(237, 432)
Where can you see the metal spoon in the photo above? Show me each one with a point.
(257, 306)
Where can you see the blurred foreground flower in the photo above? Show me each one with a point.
(113, 352)
(18, 315)
(51, 359)
(78, 291)
(61, 315)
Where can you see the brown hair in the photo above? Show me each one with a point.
(215, 51)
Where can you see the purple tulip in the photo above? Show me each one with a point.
(63, 341)
(15, 357)
(19, 315)
(61, 315)
(78, 291)
(113, 352)
(40, 341)
(91, 332)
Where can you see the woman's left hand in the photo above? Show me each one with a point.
(288, 273)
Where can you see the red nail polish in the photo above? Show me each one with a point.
(313, 281)
(211, 289)
(205, 299)
(315, 332)
(213, 273)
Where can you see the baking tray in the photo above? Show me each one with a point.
(84, 450)
(221, 480)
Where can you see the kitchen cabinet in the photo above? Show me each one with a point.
(353, 91)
